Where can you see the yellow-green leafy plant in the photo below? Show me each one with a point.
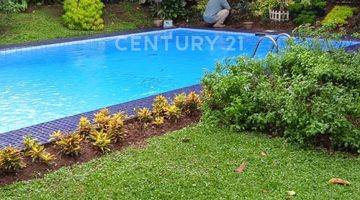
(338, 16)
(102, 119)
(179, 100)
(158, 121)
(84, 126)
(83, 14)
(69, 144)
(159, 105)
(193, 102)
(144, 115)
(36, 151)
(116, 127)
(173, 112)
(11, 160)
(101, 140)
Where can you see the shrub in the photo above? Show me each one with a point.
(116, 126)
(69, 144)
(338, 16)
(179, 100)
(102, 119)
(173, 112)
(172, 9)
(13, 6)
(83, 14)
(144, 115)
(36, 151)
(101, 140)
(302, 95)
(11, 160)
(158, 121)
(201, 5)
(159, 105)
(192, 102)
(305, 17)
(303, 12)
(84, 126)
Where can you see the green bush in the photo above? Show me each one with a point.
(306, 11)
(302, 95)
(13, 6)
(83, 14)
(338, 16)
(306, 17)
(171, 9)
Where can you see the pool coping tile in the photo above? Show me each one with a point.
(43, 131)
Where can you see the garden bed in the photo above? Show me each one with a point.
(136, 135)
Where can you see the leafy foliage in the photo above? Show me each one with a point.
(201, 5)
(10, 160)
(36, 151)
(306, 11)
(192, 102)
(13, 6)
(303, 94)
(173, 112)
(338, 16)
(171, 9)
(101, 140)
(179, 100)
(84, 126)
(144, 115)
(160, 105)
(83, 14)
(158, 121)
(69, 144)
(102, 119)
(116, 126)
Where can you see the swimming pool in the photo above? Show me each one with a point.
(43, 83)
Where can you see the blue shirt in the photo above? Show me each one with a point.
(212, 8)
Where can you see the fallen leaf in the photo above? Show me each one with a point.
(241, 168)
(263, 153)
(339, 181)
(291, 193)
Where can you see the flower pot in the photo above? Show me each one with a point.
(248, 25)
(158, 23)
(168, 23)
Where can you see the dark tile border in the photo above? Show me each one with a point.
(73, 39)
(144, 30)
(43, 131)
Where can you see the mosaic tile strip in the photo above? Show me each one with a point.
(43, 131)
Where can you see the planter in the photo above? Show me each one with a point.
(279, 15)
(248, 25)
(168, 23)
(158, 23)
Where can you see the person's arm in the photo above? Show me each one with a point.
(225, 4)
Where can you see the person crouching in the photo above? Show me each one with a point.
(216, 12)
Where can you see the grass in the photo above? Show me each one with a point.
(45, 22)
(202, 168)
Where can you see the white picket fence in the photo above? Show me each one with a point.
(279, 15)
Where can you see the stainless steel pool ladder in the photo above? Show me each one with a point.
(274, 41)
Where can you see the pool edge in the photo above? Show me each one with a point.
(43, 131)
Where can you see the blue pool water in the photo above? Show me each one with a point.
(44, 83)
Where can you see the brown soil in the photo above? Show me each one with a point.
(136, 136)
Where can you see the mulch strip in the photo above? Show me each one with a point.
(136, 135)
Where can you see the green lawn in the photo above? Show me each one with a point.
(201, 168)
(45, 22)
